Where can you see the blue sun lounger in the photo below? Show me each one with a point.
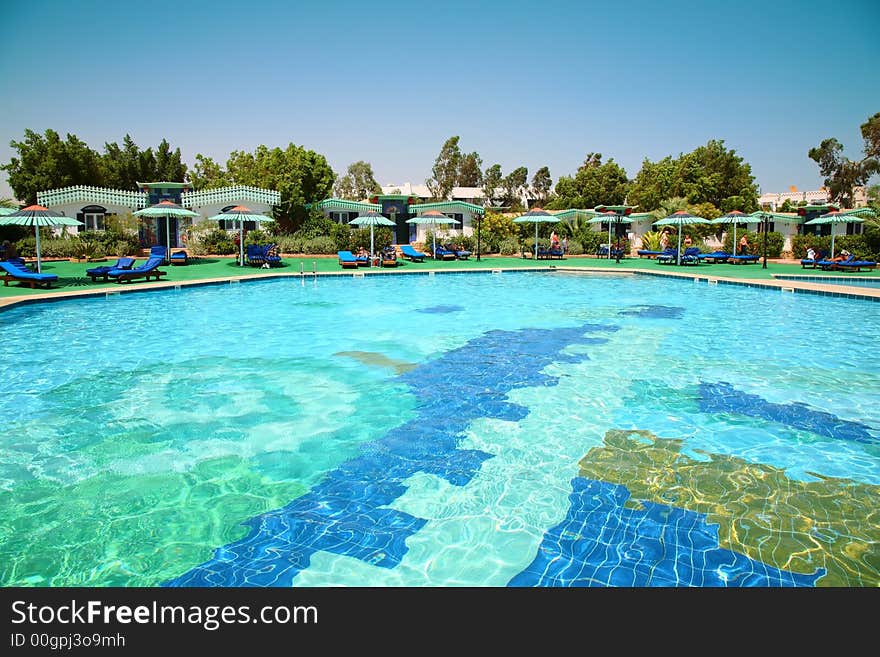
(19, 272)
(347, 259)
(442, 253)
(743, 259)
(150, 269)
(101, 272)
(668, 257)
(646, 253)
(857, 265)
(409, 252)
(715, 256)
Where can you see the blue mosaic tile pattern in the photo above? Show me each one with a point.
(602, 543)
(343, 513)
(441, 309)
(724, 398)
(656, 312)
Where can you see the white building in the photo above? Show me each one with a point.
(773, 200)
(93, 205)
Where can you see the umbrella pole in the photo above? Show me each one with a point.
(37, 231)
(536, 241)
(372, 249)
(434, 239)
(832, 242)
(167, 238)
(609, 240)
(734, 238)
(241, 242)
(678, 254)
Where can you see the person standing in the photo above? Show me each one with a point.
(664, 240)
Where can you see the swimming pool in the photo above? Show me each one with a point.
(511, 429)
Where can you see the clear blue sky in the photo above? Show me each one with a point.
(388, 82)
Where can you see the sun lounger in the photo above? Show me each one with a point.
(179, 258)
(409, 252)
(856, 265)
(18, 272)
(811, 262)
(150, 269)
(743, 259)
(270, 255)
(668, 257)
(715, 256)
(388, 257)
(645, 253)
(101, 272)
(828, 265)
(461, 254)
(347, 259)
(691, 256)
(442, 253)
(254, 255)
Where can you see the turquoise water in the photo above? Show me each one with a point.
(469, 429)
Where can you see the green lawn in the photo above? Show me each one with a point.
(71, 276)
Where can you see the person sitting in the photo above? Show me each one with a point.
(9, 250)
(811, 253)
(687, 240)
(744, 245)
(843, 255)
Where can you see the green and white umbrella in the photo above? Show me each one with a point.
(855, 216)
(735, 217)
(609, 217)
(536, 216)
(5, 211)
(371, 219)
(432, 218)
(36, 216)
(680, 219)
(166, 209)
(240, 213)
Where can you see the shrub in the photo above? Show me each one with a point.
(860, 245)
(382, 237)
(775, 242)
(575, 248)
(591, 239)
(216, 241)
(321, 245)
(288, 244)
(509, 246)
(651, 240)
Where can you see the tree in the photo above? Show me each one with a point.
(46, 162)
(542, 183)
(514, 183)
(123, 167)
(169, 166)
(469, 172)
(301, 175)
(207, 174)
(445, 170)
(492, 182)
(841, 174)
(708, 174)
(358, 183)
(593, 184)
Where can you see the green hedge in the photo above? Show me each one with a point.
(775, 242)
(865, 246)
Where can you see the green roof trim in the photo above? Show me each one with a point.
(821, 206)
(341, 204)
(790, 217)
(860, 212)
(449, 206)
(573, 213)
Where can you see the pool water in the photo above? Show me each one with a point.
(522, 429)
